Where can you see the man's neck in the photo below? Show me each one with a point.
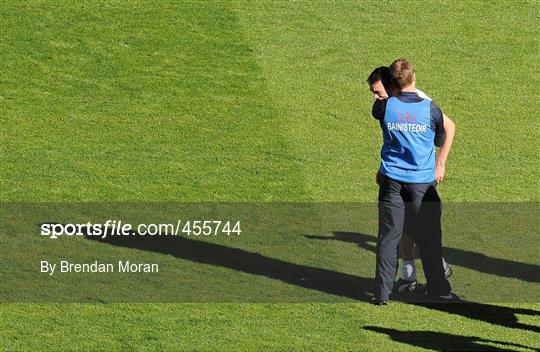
(410, 88)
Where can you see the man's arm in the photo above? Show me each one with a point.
(450, 132)
(379, 109)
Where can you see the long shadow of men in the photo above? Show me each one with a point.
(328, 281)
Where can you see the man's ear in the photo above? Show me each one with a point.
(414, 77)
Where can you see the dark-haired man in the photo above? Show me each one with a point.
(412, 127)
(380, 83)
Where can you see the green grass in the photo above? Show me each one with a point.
(231, 101)
(142, 103)
(238, 101)
(234, 327)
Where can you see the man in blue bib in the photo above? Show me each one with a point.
(412, 127)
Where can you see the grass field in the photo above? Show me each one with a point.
(264, 102)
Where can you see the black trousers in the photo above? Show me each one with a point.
(415, 208)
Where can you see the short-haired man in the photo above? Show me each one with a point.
(381, 84)
(412, 127)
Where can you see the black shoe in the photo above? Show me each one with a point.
(448, 298)
(377, 302)
(404, 286)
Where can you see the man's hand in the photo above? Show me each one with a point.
(440, 169)
(450, 130)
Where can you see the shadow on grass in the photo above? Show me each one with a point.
(467, 259)
(323, 280)
(328, 281)
(439, 341)
(498, 315)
